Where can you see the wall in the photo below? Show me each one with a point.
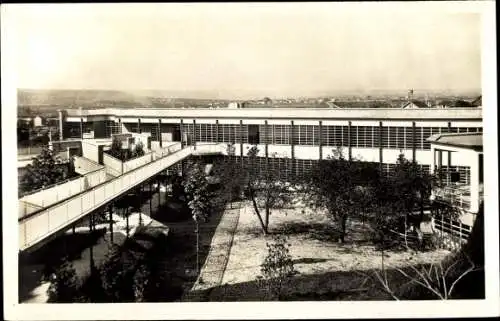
(143, 138)
(90, 150)
(113, 165)
(84, 165)
(63, 145)
(137, 162)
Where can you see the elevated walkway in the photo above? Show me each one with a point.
(41, 223)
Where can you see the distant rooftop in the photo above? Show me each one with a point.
(465, 140)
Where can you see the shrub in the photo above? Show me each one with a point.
(277, 267)
(139, 150)
(141, 283)
(64, 287)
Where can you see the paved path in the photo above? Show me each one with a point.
(213, 270)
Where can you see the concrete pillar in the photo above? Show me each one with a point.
(194, 134)
(266, 149)
(81, 128)
(413, 144)
(127, 212)
(320, 140)
(216, 131)
(448, 175)
(159, 132)
(440, 164)
(292, 147)
(433, 165)
(111, 221)
(380, 141)
(349, 144)
(61, 123)
(151, 192)
(474, 182)
(181, 130)
(241, 139)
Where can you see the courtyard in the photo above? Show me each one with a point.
(326, 269)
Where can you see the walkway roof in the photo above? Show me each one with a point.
(463, 140)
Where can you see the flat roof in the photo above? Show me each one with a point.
(464, 140)
(286, 113)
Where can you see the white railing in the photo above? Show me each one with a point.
(113, 165)
(164, 151)
(26, 208)
(137, 162)
(458, 195)
(174, 147)
(84, 165)
(49, 196)
(209, 148)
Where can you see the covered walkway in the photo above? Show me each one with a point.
(39, 225)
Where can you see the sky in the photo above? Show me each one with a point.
(236, 50)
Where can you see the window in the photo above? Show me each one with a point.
(365, 137)
(281, 134)
(409, 137)
(418, 138)
(385, 137)
(426, 133)
(400, 137)
(265, 134)
(354, 136)
(393, 138)
(325, 138)
(306, 135)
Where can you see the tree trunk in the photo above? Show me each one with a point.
(256, 208)
(197, 231)
(343, 223)
(268, 213)
(406, 230)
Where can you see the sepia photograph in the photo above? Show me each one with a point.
(249, 160)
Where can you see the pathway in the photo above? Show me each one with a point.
(213, 270)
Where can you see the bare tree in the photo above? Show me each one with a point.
(265, 187)
(439, 279)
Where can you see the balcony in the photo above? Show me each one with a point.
(461, 189)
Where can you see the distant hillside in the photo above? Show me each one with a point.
(75, 98)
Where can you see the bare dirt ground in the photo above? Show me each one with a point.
(324, 266)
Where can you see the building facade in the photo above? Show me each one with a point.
(293, 139)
